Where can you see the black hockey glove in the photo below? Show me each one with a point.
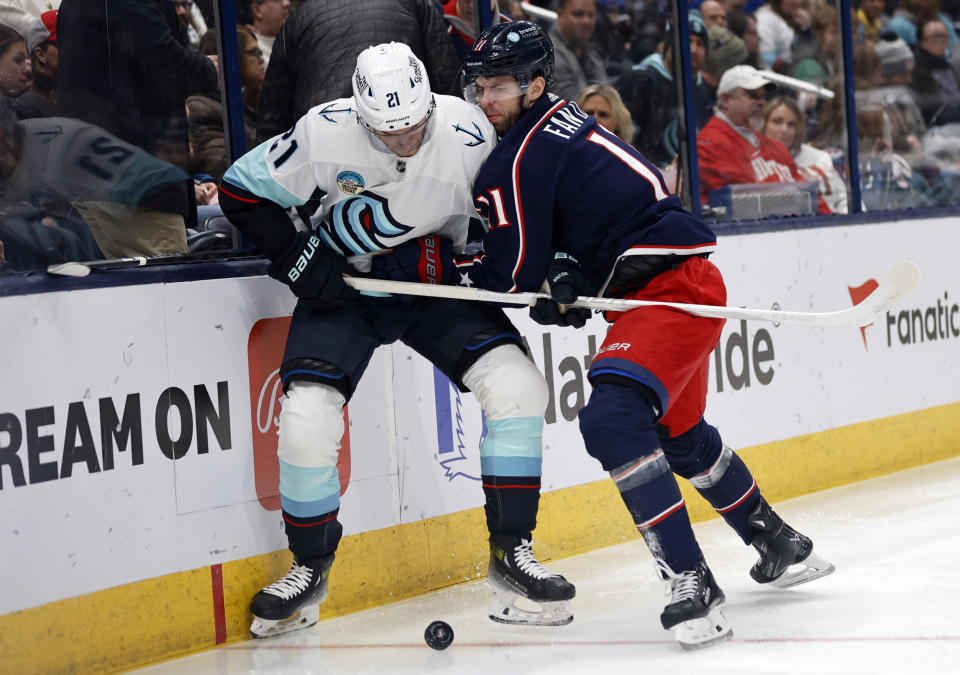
(425, 260)
(314, 272)
(566, 282)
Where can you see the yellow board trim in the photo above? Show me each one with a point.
(166, 617)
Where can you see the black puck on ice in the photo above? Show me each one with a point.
(438, 635)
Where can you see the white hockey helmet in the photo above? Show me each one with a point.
(391, 88)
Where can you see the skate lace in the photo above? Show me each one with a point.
(680, 586)
(523, 556)
(295, 581)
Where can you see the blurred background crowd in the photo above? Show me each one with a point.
(115, 125)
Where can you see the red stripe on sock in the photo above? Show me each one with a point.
(497, 487)
(287, 520)
(740, 501)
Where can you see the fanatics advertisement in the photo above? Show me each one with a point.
(138, 424)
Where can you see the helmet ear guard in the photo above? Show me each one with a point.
(390, 88)
(519, 49)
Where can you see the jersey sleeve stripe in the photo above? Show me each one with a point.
(696, 249)
(516, 189)
(638, 167)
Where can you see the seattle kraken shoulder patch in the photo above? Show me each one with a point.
(350, 182)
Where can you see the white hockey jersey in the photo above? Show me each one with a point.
(368, 199)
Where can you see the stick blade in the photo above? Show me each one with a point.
(69, 269)
(903, 278)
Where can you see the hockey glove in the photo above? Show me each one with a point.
(426, 260)
(314, 272)
(566, 282)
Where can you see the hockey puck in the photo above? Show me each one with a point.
(438, 635)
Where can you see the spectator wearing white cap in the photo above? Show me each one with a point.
(45, 57)
(731, 149)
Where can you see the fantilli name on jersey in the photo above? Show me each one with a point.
(369, 198)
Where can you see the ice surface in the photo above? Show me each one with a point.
(891, 606)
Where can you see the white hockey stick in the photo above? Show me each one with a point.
(902, 279)
(82, 269)
(794, 83)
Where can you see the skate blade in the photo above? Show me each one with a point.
(303, 618)
(504, 608)
(703, 632)
(813, 567)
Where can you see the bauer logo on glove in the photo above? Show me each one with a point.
(425, 260)
(304, 258)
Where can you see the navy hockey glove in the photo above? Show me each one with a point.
(426, 260)
(314, 272)
(566, 282)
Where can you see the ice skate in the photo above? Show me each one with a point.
(515, 577)
(786, 556)
(292, 602)
(695, 611)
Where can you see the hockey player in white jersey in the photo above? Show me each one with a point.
(390, 168)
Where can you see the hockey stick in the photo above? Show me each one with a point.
(902, 279)
(794, 83)
(82, 269)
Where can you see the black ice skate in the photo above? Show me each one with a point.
(786, 556)
(695, 611)
(293, 602)
(515, 575)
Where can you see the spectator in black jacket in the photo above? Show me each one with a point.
(934, 80)
(316, 52)
(123, 68)
(650, 93)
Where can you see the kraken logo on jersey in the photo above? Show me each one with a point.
(361, 224)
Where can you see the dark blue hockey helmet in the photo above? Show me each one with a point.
(521, 49)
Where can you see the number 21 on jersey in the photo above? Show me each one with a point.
(496, 203)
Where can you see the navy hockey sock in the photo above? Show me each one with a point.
(511, 504)
(717, 473)
(653, 498)
(313, 537)
(617, 428)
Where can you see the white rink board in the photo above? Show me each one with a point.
(91, 530)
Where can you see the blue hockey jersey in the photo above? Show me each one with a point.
(558, 180)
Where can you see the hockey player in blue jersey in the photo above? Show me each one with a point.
(390, 167)
(571, 203)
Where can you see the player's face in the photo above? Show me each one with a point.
(782, 125)
(405, 142)
(501, 100)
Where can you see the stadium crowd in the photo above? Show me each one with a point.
(112, 136)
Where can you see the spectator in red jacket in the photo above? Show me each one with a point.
(731, 149)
